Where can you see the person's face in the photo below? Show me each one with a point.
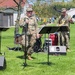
(29, 13)
(63, 13)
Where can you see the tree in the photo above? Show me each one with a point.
(18, 16)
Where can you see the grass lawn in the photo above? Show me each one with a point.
(59, 65)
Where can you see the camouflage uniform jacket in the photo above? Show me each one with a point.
(32, 25)
(64, 20)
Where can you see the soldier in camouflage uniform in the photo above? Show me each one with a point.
(31, 31)
(64, 20)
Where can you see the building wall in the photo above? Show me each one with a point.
(15, 13)
(6, 19)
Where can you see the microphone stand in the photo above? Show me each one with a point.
(25, 49)
(0, 42)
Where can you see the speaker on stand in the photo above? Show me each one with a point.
(46, 43)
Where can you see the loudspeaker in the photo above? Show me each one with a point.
(57, 50)
(48, 42)
(2, 62)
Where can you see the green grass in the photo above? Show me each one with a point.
(59, 65)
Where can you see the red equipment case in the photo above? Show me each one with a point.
(54, 38)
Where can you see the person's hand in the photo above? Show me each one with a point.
(71, 21)
(38, 35)
(27, 21)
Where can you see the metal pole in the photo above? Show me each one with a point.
(48, 49)
(25, 49)
(0, 42)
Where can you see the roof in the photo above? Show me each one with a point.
(10, 3)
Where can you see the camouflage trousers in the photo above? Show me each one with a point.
(64, 39)
(28, 42)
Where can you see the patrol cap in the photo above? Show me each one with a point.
(63, 10)
(29, 9)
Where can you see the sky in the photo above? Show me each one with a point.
(33, 1)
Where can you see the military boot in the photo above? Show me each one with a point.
(29, 57)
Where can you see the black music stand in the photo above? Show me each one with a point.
(52, 29)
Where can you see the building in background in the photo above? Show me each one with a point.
(8, 11)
